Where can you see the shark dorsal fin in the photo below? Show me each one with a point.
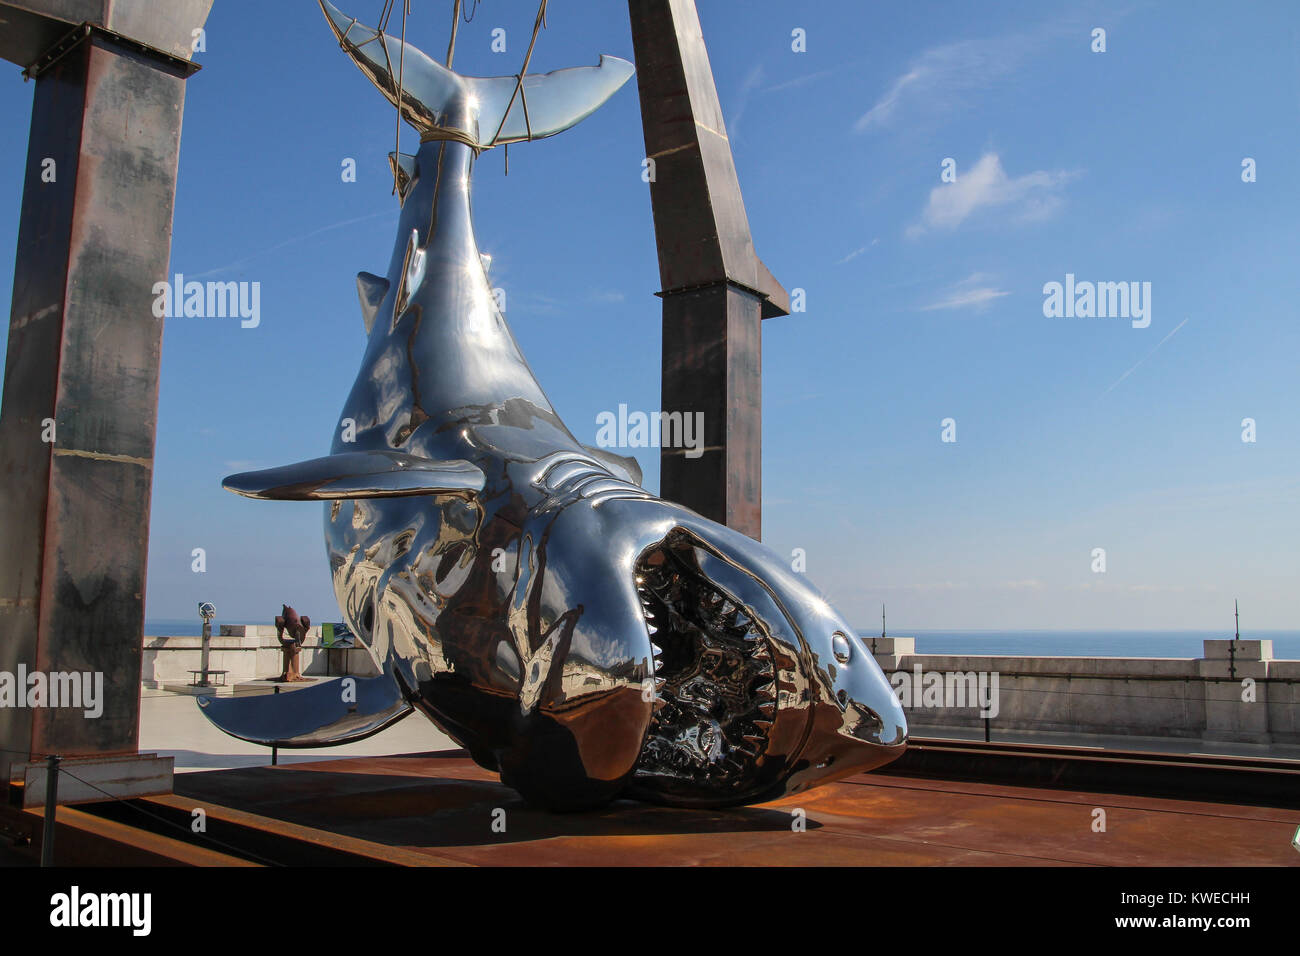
(482, 112)
(371, 290)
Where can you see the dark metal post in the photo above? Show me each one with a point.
(80, 392)
(716, 291)
(207, 647)
(51, 810)
(1232, 645)
(275, 751)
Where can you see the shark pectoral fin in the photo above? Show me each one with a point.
(623, 466)
(323, 715)
(371, 290)
(362, 474)
(556, 100)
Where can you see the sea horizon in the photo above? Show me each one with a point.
(1000, 642)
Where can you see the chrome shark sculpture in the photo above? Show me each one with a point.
(571, 630)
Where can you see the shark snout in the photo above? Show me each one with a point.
(858, 723)
(872, 712)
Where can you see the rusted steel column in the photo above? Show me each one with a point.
(80, 391)
(715, 289)
(712, 363)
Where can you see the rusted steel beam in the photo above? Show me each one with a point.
(1249, 781)
(80, 393)
(83, 839)
(715, 289)
(31, 28)
(261, 838)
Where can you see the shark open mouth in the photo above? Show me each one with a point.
(715, 680)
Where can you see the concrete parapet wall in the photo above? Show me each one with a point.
(247, 652)
(1206, 698)
(1235, 694)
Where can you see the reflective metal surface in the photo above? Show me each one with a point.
(568, 628)
(480, 111)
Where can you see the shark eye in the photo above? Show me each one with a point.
(841, 647)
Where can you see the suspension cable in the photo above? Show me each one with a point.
(455, 26)
(401, 68)
(519, 82)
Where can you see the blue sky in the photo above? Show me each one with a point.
(924, 299)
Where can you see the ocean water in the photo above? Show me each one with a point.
(1286, 644)
(185, 627)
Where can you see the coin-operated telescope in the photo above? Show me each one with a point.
(206, 611)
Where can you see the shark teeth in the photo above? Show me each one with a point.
(714, 677)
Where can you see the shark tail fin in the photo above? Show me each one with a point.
(481, 111)
(546, 103)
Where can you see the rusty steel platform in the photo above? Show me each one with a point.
(440, 809)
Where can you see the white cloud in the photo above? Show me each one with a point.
(856, 252)
(971, 292)
(886, 105)
(1145, 357)
(1031, 197)
(753, 80)
(942, 73)
(939, 77)
(798, 81)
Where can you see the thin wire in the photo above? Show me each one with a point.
(519, 82)
(249, 854)
(401, 68)
(175, 826)
(455, 26)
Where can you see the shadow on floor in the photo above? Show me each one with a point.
(425, 808)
